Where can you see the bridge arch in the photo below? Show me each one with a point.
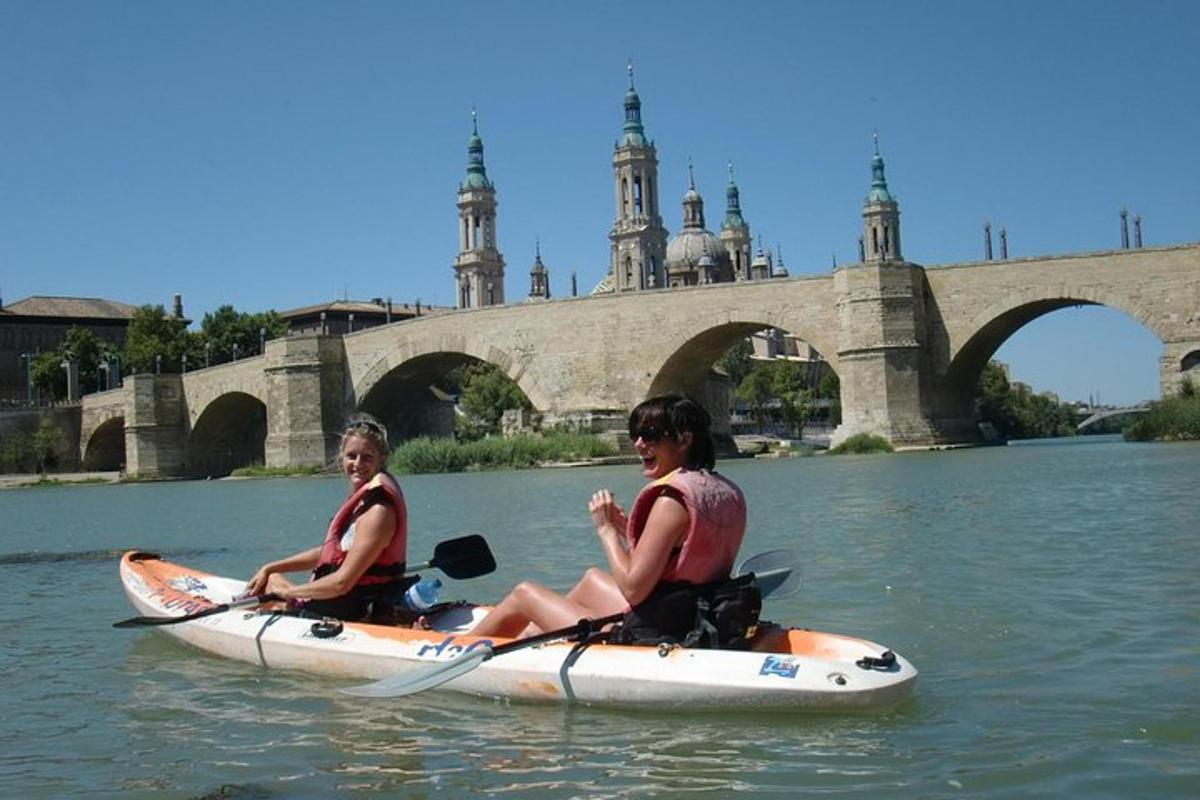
(1190, 362)
(413, 398)
(104, 447)
(990, 328)
(230, 432)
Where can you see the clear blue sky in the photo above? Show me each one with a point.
(278, 154)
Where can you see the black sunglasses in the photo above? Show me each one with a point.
(648, 435)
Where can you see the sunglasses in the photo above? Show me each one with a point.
(647, 435)
(368, 425)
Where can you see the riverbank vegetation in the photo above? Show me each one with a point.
(1015, 411)
(1175, 419)
(259, 471)
(861, 443)
(427, 454)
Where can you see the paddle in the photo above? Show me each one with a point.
(464, 557)
(776, 565)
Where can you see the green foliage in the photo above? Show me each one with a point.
(425, 454)
(485, 394)
(259, 471)
(830, 388)
(1174, 419)
(861, 443)
(220, 330)
(736, 361)
(16, 452)
(789, 384)
(756, 390)
(45, 442)
(1019, 414)
(151, 334)
(49, 377)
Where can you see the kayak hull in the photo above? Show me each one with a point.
(786, 669)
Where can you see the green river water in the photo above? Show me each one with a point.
(1047, 593)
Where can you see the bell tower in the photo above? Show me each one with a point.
(479, 267)
(639, 240)
(881, 217)
(735, 232)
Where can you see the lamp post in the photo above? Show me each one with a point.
(183, 363)
(28, 377)
(158, 365)
(207, 354)
(235, 351)
(262, 341)
(102, 376)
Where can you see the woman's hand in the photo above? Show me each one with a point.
(606, 513)
(258, 583)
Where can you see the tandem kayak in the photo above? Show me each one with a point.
(786, 669)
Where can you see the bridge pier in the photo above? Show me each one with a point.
(884, 369)
(155, 435)
(306, 398)
(1179, 361)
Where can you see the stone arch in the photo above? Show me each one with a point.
(104, 447)
(688, 368)
(450, 348)
(991, 327)
(1190, 362)
(413, 398)
(230, 432)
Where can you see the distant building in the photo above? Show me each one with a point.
(38, 324)
(348, 316)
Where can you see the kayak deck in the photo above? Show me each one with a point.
(785, 668)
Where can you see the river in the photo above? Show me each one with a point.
(1047, 592)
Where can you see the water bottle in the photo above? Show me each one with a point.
(422, 595)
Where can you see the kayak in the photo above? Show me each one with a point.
(788, 669)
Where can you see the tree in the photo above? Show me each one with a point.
(757, 391)
(46, 440)
(220, 330)
(485, 394)
(789, 385)
(736, 361)
(48, 375)
(152, 334)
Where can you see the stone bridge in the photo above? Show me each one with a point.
(908, 343)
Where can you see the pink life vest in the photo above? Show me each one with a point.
(716, 524)
(389, 566)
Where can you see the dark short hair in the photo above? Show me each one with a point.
(672, 415)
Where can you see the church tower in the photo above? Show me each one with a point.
(479, 267)
(735, 232)
(639, 241)
(881, 217)
(539, 276)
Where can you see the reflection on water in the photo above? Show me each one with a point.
(1046, 594)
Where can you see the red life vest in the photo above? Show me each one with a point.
(716, 524)
(389, 566)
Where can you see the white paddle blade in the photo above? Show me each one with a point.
(423, 677)
(777, 572)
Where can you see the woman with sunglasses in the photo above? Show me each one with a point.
(684, 529)
(358, 571)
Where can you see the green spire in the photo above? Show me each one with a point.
(633, 135)
(733, 206)
(476, 172)
(879, 191)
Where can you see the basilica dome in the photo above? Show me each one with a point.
(688, 246)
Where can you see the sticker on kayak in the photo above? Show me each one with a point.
(187, 583)
(783, 666)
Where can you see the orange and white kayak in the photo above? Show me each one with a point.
(787, 669)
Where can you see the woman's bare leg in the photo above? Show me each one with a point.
(596, 594)
(529, 603)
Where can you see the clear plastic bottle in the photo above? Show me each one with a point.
(423, 594)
